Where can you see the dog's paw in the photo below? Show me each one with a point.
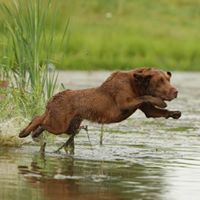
(160, 103)
(175, 114)
(23, 134)
(156, 101)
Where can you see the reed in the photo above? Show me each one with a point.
(29, 32)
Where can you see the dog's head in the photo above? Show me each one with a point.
(155, 82)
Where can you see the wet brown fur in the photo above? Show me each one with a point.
(116, 99)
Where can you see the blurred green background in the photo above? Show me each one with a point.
(123, 34)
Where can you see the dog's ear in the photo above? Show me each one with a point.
(142, 79)
(169, 74)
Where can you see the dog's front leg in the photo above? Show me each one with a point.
(150, 111)
(151, 100)
(135, 103)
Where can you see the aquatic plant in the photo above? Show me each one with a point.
(28, 46)
(29, 33)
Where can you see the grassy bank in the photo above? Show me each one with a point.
(122, 34)
(128, 33)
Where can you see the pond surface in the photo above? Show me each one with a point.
(140, 158)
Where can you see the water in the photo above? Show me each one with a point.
(140, 158)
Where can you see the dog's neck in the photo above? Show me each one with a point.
(139, 89)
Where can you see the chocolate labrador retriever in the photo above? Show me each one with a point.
(116, 99)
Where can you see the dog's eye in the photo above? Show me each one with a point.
(162, 80)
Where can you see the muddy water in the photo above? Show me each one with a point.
(140, 158)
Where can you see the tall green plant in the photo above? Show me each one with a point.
(30, 31)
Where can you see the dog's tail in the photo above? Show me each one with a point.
(36, 121)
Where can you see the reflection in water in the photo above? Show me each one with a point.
(53, 177)
(67, 178)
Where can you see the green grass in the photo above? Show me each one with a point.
(122, 34)
(29, 44)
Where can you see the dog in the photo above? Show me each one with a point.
(118, 97)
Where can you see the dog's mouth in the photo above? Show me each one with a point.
(164, 99)
(167, 98)
(170, 96)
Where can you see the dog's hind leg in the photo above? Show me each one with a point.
(68, 146)
(32, 126)
(73, 130)
(37, 132)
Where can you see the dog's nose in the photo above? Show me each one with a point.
(175, 92)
